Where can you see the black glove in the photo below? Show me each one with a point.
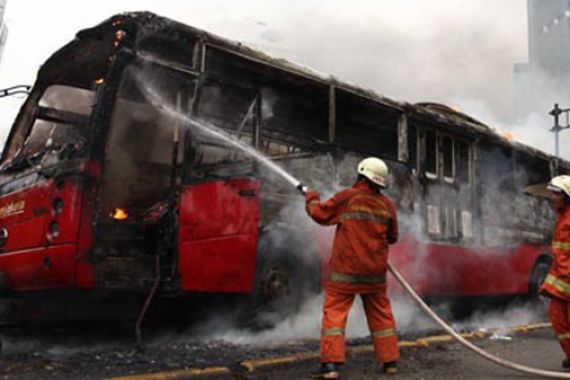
(302, 188)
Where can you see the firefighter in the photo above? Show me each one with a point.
(557, 282)
(366, 224)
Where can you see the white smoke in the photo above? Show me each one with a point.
(532, 130)
(306, 324)
(518, 315)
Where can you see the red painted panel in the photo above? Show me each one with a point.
(220, 264)
(39, 269)
(218, 235)
(70, 192)
(32, 258)
(450, 270)
(453, 270)
(84, 274)
(24, 214)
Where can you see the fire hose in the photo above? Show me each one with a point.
(417, 299)
(465, 342)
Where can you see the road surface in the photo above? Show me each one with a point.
(449, 361)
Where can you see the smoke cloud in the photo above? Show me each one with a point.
(415, 50)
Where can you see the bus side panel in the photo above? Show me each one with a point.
(509, 270)
(218, 236)
(447, 270)
(40, 252)
(40, 268)
(23, 214)
(219, 265)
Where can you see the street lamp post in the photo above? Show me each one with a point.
(556, 112)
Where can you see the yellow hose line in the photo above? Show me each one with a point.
(178, 375)
(252, 365)
(466, 343)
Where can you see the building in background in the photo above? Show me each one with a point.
(545, 78)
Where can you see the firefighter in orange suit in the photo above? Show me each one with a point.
(557, 282)
(366, 224)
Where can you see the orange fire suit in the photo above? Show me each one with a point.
(557, 282)
(366, 223)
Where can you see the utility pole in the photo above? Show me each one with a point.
(556, 112)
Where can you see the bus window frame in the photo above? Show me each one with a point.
(442, 154)
(470, 158)
(429, 174)
(525, 162)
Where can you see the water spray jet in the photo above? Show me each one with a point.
(213, 131)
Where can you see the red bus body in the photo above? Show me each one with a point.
(222, 230)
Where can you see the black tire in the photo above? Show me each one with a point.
(537, 276)
(279, 286)
(283, 281)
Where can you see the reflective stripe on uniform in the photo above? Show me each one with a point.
(383, 333)
(564, 336)
(365, 216)
(557, 283)
(368, 210)
(561, 245)
(357, 278)
(333, 331)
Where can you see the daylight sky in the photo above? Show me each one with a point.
(457, 52)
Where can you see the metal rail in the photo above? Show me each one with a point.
(14, 90)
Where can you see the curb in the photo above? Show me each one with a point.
(178, 374)
(250, 366)
(253, 365)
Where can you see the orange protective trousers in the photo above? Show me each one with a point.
(559, 314)
(380, 322)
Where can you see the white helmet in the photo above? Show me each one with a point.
(559, 184)
(375, 170)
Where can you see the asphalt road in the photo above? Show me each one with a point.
(84, 357)
(448, 361)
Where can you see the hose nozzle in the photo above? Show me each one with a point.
(302, 188)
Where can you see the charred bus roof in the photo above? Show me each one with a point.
(146, 26)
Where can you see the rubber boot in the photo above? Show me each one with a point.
(327, 371)
(390, 368)
(566, 363)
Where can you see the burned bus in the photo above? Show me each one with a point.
(107, 187)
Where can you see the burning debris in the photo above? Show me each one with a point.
(119, 214)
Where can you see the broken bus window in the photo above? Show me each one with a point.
(431, 154)
(448, 155)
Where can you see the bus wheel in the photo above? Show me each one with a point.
(279, 287)
(282, 284)
(537, 277)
